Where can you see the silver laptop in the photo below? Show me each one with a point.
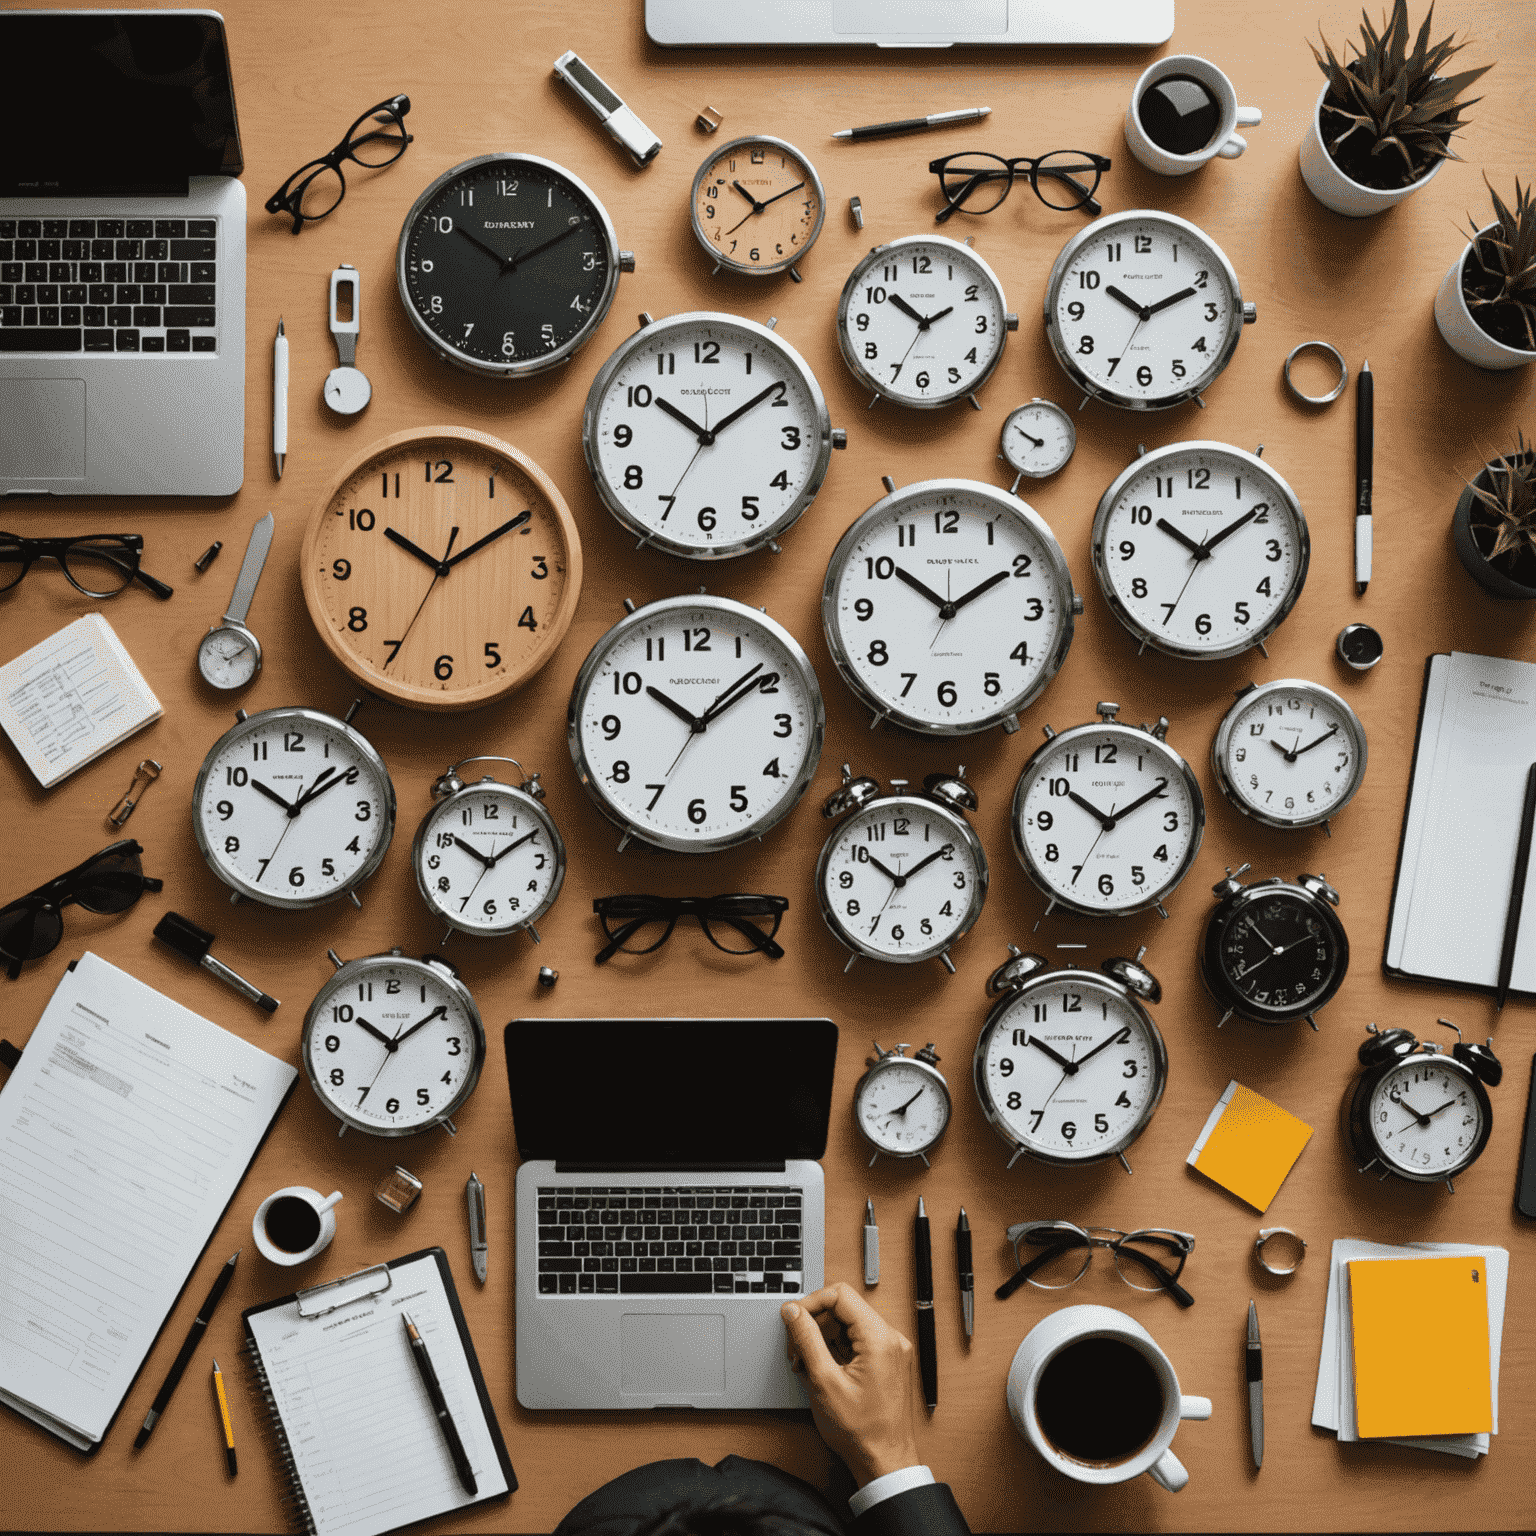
(668, 1202)
(122, 256)
(907, 23)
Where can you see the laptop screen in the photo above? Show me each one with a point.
(671, 1091)
(114, 101)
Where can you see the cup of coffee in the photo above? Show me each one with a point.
(1096, 1397)
(1183, 112)
(295, 1224)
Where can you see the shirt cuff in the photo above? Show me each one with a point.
(888, 1487)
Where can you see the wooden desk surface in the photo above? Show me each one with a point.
(478, 77)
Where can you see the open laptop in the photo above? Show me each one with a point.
(122, 256)
(668, 1201)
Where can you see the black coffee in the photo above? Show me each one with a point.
(1099, 1401)
(292, 1224)
(1179, 114)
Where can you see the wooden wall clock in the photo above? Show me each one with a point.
(442, 568)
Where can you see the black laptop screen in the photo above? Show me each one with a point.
(641, 1091)
(114, 101)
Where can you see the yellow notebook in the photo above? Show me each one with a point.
(1249, 1145)
(1399, 1388)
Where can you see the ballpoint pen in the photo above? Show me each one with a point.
(1365, 447)
(967, 1275)
(439, 1405)
(871, 1245)
(1517, 890)
(1254, 1359)
(193, 943)
(474, 1196)
(194, 1338)
(912, 124)
(229, 1433)
(927, 1343)
(280, 398)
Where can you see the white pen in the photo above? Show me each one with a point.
(913, 124)
(280, 398)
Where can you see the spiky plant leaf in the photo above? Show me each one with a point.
(1509, 502)
(1507, 255)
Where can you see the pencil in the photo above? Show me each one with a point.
(229, 1433)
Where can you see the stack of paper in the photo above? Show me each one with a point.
(1373, 1382)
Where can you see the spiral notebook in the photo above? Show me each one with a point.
(355, 1432)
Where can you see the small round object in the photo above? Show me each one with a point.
(922, 321)
(948, 607)
(1333, 352)
(707, 435)
(1289, 1240)
(1289, 753)
(1359, 646)
(262, 770)
(1201, 550)
(901, 1105)
(696, 723)
(548, 976)
(1038, 439)
(507, 265)
(756, 206)
(229, 656)
(406, 1031)
(347, 390)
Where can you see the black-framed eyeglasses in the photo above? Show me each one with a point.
(97, 564)
(109, 881)
(739, 924)
(977, 183)
(378, 138)
(1149, 1260)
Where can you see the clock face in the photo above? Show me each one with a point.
(1201, 550)
(1143, 310)
(757, 205)
(1107, 819)
(696, 723)
(707, 435)
(948, 606)
(489, 860)
(1426, 1118)
(1290, 754)
(1037, 439)
(391, 1046)
(922, 321)
(228, 657)
(901, 1108)
(1277, 957)
(901, 879)
(443, 568)
(1070, 1069)
(507, 264)
(293, 808)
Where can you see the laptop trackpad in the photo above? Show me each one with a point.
(679, 1354)
(42, 429)
(955, 18)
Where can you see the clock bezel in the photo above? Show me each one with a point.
(726, 263)
(1053, 409)
(887, 1062)
(1362, 1136)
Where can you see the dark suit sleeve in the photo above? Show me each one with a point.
(927, 1511)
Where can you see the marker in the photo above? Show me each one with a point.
(912, 124)
(1365, 448)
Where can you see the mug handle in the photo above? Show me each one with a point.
(1249, 117)
(1194, 1408)
(1168, 1471)
(334, 1198)
(1233, 147)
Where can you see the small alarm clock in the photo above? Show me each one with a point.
(901, 1105)
(757, 206)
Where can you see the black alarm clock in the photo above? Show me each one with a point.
(1275, 951)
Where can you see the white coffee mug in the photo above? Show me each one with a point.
(1071, 1325)
(1224, 142)
(322, 1207)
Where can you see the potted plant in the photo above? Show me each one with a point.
(1486, 306)
(1494, 525)
(1383, 122)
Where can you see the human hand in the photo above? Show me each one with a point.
(858, 1371)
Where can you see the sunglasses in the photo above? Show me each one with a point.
(109, 881)
(1149, 1260)
(739, 924)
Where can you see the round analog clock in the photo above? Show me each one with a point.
(1143, 311)
(757, 206)
(1037, 440)
(948, 607)
(393, 1046)
(707, 435)
(1070, 1068)
(696, 723)
(441, 568)
(1107, 818)
(507, 265)
(922, 321)
(293, 808)
(1289, 753)
(901, 1104)
(1201, 550)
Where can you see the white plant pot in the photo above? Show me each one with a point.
(1465, 337)
(1333, 189)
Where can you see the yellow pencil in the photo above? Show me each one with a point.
(229, 1433)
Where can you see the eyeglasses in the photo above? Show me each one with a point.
(977, 183)
(739, 924)
(97, 564)
(1142, 1259)
(109, 881)
(317, 187)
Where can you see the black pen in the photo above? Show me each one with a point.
(194, 1338)
(1253, 1359)
(1365, 448)
(967, 1276)
(912, 124)
(439, 1405)
(927, 1344)
(1517, 889)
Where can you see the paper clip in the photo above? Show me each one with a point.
(306, 1299)
(143, 776)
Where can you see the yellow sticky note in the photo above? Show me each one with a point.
(1404, 1390)
(1249, 1145)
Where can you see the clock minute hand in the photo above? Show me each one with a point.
(440, 1012)
(317, 789)
(923, 864)
(907, 579)
(378, 1034)
(687, 716)
(1104, 821)
(1169, 302)
(978, 591)
(515, 522)
(431, 561)
(704, 435)
(777, 195)
(741, 410)
(1155, 793)
(1103, 1045)
(906, 309)
(1069, 1067)
(1230, 529)
(521, 256)
(1331, 731)
(1199, 551)
(1139, 310)
(736, 693)
(495, 859)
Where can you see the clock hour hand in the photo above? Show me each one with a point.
(741, 410)
(1103, 1045)
(907, 579)
(748, 683)
(378, 1034)
(1039, 442)
(512, 261)
(923, 864)
(501, 261)
(890, 874)
(1231, 528)
(474, 853)
(704, 435)
(1169, 302)
(1104, 821)
(1069, 1067)
(687, 716)
(496, 858)
(1199, 551)
(757, 207)
(932, 318)
(431, 561)
(777, 195)
(515, 522)
(1155, 793)
(901, 1109)
(272, 795)
(906, 309)
(1285, 752)
(975, 592)
(1140, 311)
(1317, 742)
(318, 788)
(440, 1012)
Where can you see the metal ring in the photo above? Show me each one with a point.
(1338, 389)
(1265, 1233)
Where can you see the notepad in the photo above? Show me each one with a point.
(1249, 1145)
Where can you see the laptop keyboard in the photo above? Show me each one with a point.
(108, 285)
(669, 1241)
